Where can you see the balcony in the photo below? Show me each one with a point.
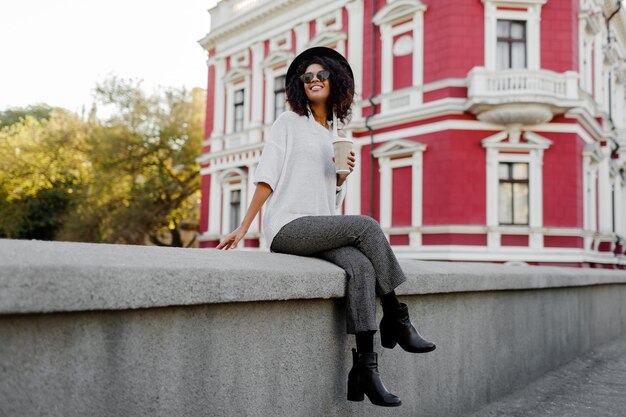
(520, 96)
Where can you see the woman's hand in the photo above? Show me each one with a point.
(230, 241)
(351, 162)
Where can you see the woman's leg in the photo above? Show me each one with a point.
(360, 288)
(310, 235)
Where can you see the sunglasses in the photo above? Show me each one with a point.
(309, 76)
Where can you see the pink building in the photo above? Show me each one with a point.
(490, 130)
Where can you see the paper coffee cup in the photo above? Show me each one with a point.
(342, 148)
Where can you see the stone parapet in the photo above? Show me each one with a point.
(111, 330)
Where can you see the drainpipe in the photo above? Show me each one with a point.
(613, 151)
(373, 106)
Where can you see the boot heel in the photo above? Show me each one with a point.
(354, 393)
(386, 338)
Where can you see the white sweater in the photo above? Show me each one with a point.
(297, 163)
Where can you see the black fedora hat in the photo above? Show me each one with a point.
(316, 51)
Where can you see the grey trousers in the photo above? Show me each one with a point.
(356, 244)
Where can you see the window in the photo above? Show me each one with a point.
(235, 208)
(238, 103)
(513, 193)
(511, 47)
(279, 95)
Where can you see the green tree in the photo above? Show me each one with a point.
(43, 162)
(16, 114)
(146, 180)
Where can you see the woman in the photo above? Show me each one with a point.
(296, 176)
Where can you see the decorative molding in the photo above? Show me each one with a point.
(277, 57)
(396, 10)
(398, 147)
(337, 38)
(237, 73)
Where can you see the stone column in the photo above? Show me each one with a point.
(215, 197)
(218, 121)
(257, 93)
(605, 215)
(355, 51)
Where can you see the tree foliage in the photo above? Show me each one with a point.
(127, 178)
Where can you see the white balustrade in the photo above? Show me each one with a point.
(515, 83)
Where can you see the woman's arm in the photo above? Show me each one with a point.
(261, 193)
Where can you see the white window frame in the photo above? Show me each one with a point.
(405, 153)
(385, 18)
(589, 26)
(592, 157)
(285, 38)
(530, 13)
(233, 82)
(496, 147)
(232, 180)
(275, 65)
(320, 22)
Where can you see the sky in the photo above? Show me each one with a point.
(55, 52)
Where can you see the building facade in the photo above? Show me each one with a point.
(485, 130)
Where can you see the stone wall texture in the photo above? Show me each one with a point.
(111, 330)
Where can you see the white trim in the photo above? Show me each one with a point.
(385, 18)
(355, 53)
(330, 38)
(413, 152)
(256, 112)
(532, 16)
(275, 42)
(535, 146)
(219, 97)
(227, 187)
(215, 196)
(234, 75)
(444, 125)
(302, 36)
(353, 184)
(320, 22)
(270, 76)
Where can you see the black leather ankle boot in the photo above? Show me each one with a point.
(396, 327)
(364, 379)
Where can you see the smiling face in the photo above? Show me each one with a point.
(312, 90)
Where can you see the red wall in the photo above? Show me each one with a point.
(454, 177)
(365, 183)
(367, 49)
(559, 35)
(401, 187)
(453, 38)
(562, 181)
(402, 68)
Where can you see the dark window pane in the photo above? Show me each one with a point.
(235, 205)
(239, 103)
(239, 96)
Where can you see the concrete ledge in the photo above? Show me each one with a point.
(107, 330)
(38, 276)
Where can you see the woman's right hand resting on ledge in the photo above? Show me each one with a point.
(261, 193)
